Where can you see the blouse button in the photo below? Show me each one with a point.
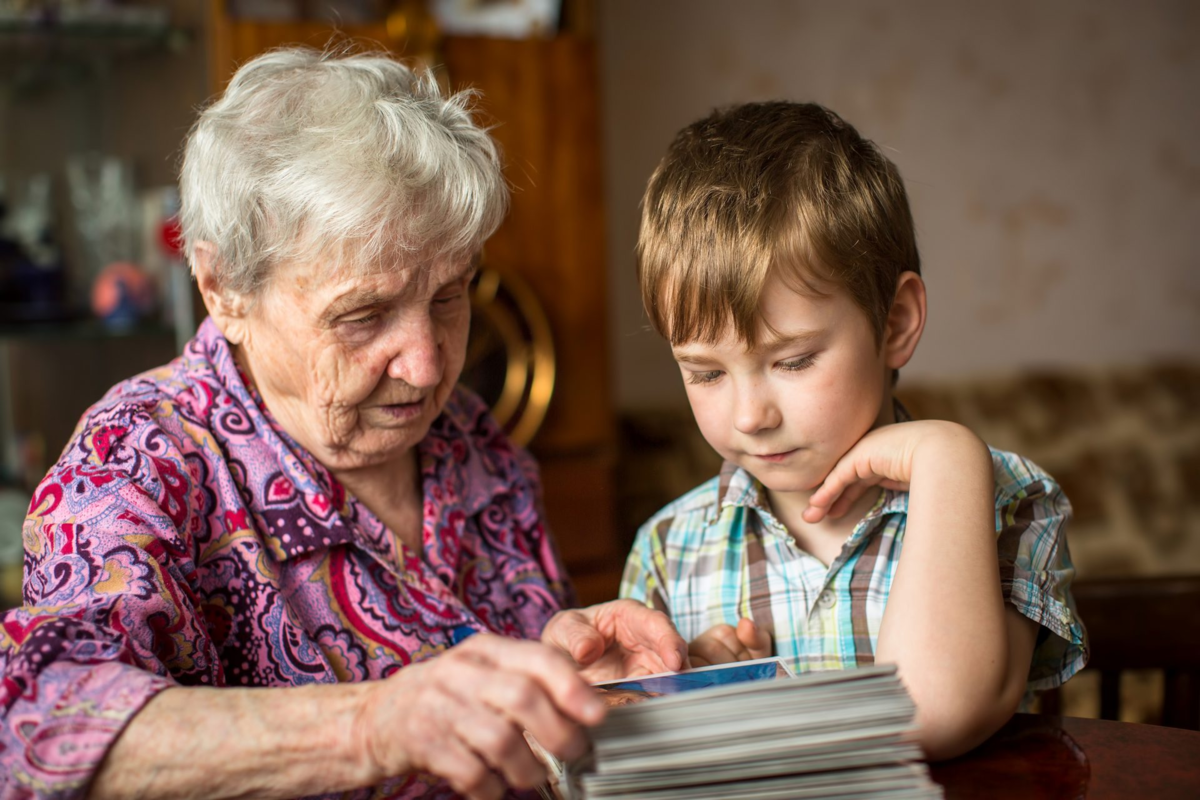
(826, 599)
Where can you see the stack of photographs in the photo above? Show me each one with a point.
(751, 730)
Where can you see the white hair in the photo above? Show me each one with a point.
(349, 157)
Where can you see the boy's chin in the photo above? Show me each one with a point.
(785, 480)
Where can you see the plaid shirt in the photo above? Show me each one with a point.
(718, 554)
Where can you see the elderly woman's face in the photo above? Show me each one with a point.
(357, 368)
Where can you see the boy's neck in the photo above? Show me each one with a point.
(825, 538)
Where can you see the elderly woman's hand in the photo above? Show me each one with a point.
(462, 715)
(618, 639)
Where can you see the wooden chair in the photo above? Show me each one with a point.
(1143, 623)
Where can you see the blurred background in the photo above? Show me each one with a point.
(1049, 152)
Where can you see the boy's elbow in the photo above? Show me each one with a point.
(948, 727)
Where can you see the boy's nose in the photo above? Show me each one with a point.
(756, 412)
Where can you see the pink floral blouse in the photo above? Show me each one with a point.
(183, 538)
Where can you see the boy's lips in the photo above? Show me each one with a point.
(774, 457)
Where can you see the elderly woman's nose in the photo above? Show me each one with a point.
(416, 356)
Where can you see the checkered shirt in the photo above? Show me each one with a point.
(718, 554)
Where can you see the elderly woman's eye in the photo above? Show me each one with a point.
(366, 320)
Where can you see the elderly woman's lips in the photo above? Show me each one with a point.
(402, 411)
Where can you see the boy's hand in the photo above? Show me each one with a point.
(724, 644)
(886, 457)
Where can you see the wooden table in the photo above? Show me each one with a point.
(1036, 756)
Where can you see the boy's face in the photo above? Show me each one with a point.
(788, 410)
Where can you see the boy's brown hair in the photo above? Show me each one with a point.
(765, 186)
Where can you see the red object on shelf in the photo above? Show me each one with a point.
(170, 236)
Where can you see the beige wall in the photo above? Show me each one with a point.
(1049, 151)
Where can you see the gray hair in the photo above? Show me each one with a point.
(353, 158)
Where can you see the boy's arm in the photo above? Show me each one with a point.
(963, 655)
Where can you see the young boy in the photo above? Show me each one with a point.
(778, 258)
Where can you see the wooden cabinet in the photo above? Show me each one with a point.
(231, 42)
(542, 98)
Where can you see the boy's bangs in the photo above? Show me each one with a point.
(701, 293)
(799, 257)
(701, 284)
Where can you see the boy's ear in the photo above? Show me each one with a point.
(905, 322)
(227, 308)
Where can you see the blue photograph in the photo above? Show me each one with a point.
(626, 692)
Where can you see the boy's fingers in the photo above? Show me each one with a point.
(814, 514)
(822, 500)
(843, 474)
(726, 635)
(712, 651)
(754, 639)
(747, 633)
(838, 494)
(825, 494)
(851, 496)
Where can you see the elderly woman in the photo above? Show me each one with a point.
(297, 560)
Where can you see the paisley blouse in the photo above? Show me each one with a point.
(184, 538)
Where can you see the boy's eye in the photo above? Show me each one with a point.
(797, 364)
(704, 377)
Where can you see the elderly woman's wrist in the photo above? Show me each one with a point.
(360, 742)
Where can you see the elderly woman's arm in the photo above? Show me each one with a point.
(88, 696)
(195, 742)
(460, 715)
(108, 619)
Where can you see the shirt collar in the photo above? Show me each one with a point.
(465, 455)
(738, 488)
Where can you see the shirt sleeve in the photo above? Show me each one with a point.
(645, 573)
(1036, 574)
(109, 618)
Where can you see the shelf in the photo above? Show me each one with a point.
(80, 329)
(24, 39)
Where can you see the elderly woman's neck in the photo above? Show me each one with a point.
(392, 492)
(390, 489)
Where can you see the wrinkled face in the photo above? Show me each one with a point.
(356, 368)
(788, 410)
